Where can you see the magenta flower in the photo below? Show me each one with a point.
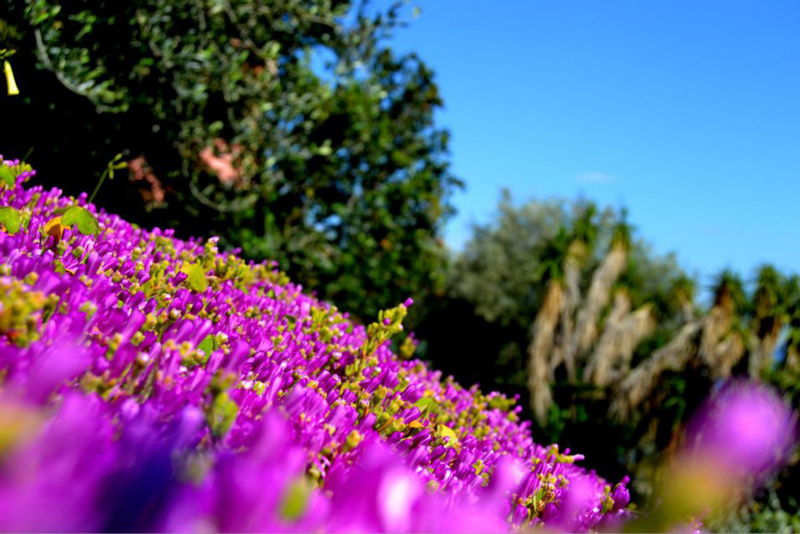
(154, 384)
(745, 428)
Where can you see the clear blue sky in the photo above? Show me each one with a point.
(686, 112)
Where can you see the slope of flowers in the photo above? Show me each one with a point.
(149, 383)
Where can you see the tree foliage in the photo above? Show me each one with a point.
(287, 127)
(497, 284)
(653, 351)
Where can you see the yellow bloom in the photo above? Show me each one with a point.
(54, 228)
(12, 84)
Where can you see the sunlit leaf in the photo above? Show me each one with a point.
(207, 345)
(197, 277)
(85, 220)
(10, 219)
(7, 176)
(13, 90)
(426, 404)
(449, 433)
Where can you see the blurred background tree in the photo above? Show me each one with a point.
(287, 127)
(607, 343)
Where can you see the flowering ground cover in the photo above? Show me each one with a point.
(151, 383)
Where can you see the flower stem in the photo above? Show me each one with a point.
(97, 187)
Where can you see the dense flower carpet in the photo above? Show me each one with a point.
(151, 383)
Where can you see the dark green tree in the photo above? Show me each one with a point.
(288, 127)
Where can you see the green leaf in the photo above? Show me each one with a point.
(207, 345)
(447, 432)
(86, 222)
(426, 404)
(7, 175)
(295, 500)
(222, 415)
(10, 219)
(197, 277)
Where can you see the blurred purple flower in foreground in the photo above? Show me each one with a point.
(745, 429)
(742, 435)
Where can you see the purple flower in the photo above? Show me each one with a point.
(136, 399)
(745, 428)
(621, 495)
(580, 506)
